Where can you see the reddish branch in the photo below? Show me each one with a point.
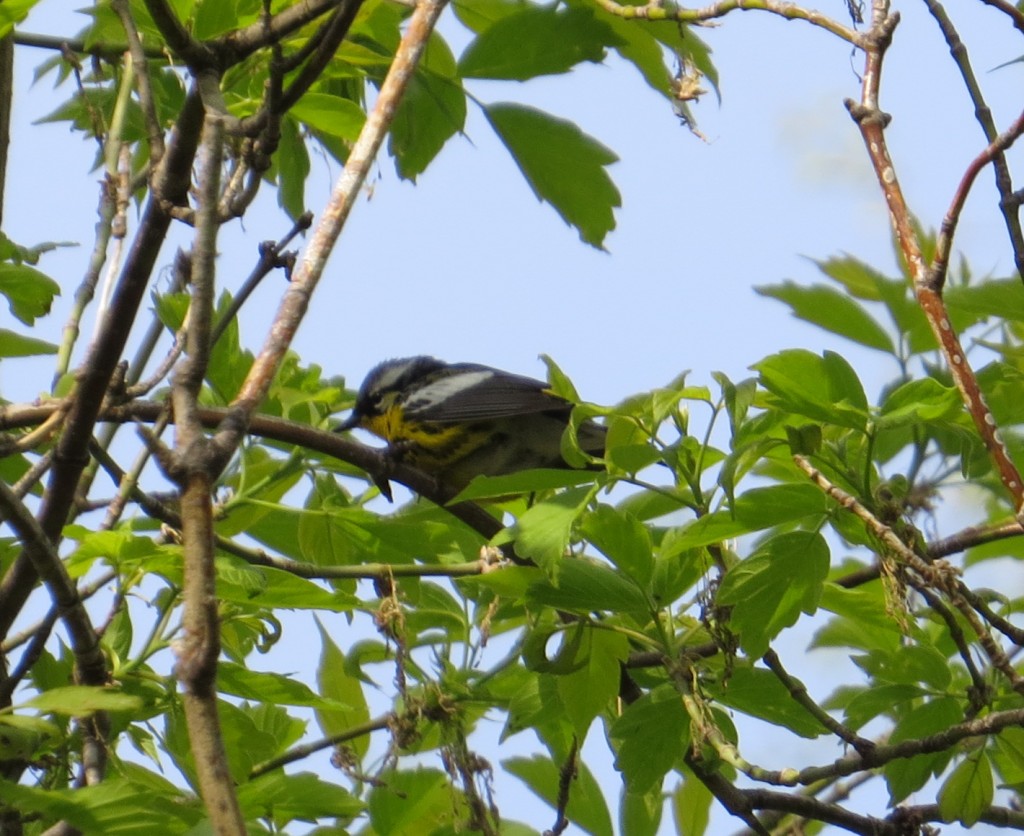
(872, 121)
(1009, 203)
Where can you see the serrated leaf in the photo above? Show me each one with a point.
(542, 533)
(824, 388)
(536, 41)
(623, 539)
(833, 311)
(769, 589)
(652, 734)
(29, 292)
(334, 115)
(589, 689)
(759, 693)
(82, 700)
(18, 345)
(908, 775)
(432, 110)
(968, 791)
(587, 807)
(563, 166)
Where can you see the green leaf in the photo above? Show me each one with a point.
(833, 311)
(432, 110)
(652, 734)
(823, 388)
(691, 806)
(759, 693)
(334, 115)
(292, 160)
(525, 481)
(411, 802)
(542, 533)
(283, 589)
(13, 12)
(588, 690)
(17, 345)
(908, 775)
(968, 792)
(623, 539)
(478, 15)
(587, 806)
(910, 665)
(756, 510)
(116, 806)
(536, 41)
(262, 686)
(563, 166)
(640, 813)
(918, 401)
(583, 586)
(993, 298)
(302, 796)
(29, 292)
(863, 621)
(769, 589)
(82, 700)
(878, 700)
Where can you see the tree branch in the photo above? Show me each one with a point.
(196, 474)
(70, 456)
(872, 121)
(655, 10)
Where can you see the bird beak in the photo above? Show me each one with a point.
(349, 423)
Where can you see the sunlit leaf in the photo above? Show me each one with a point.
(563, 166)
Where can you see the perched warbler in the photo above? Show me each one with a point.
(455, 421)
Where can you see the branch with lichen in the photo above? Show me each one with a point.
(656, 10)
(872, 122)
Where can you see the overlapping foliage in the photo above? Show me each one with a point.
(652, 606)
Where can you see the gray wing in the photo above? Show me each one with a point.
(478, 393)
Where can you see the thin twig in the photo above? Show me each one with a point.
(141, 62)
(1008, 204)
(944, 243)
(305, 750)
(790, 11)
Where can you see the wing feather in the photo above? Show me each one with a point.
(478, 393)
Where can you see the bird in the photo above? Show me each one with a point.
(456, 421)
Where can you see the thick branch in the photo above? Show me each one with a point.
(70, 456)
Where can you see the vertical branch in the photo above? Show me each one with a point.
(872, 122)
(6, 96)
(346, 190)
(196, 471)
(71, 454)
